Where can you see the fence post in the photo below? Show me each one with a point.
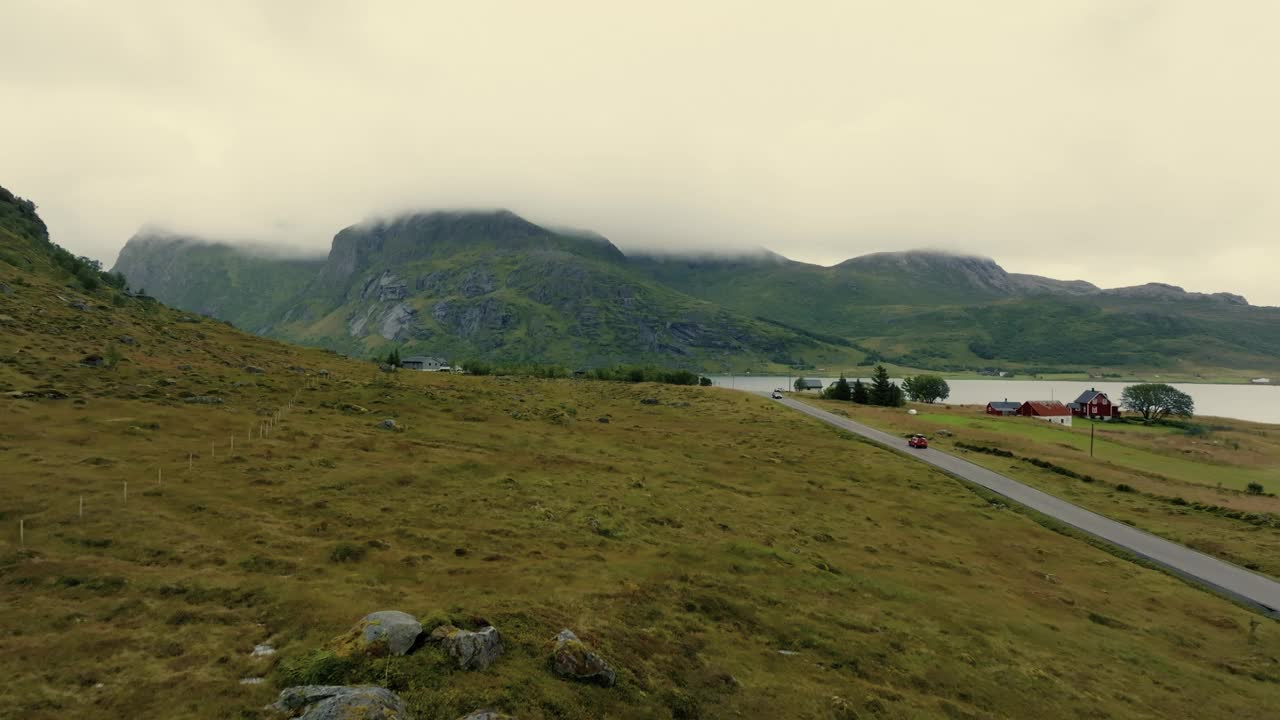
(126, 491)
(81, 507)
(22, 532)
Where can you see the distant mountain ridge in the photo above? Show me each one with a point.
(494, 285)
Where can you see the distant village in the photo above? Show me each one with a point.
(1091, 405)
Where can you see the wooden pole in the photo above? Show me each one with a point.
(190, 459)
(159, 477)
(81, 507)
(213, 453)
(126, 491)
(233, 444)
(22, 532)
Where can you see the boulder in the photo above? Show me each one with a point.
(94, 360)
(127, 340)
(253, 369)
(388, 632)
(389, 424)
(572, 658)
(487, 714)
(204, 400)
(341, 702)
(649, 401)
(473, 650)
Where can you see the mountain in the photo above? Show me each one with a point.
(494, 285)
(466, 285)
(949, 312)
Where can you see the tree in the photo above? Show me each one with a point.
(1156, 401)
(859, 393)
(883, 391)
(704, 381)
(393, 357)
(799, 384)
(840, 391)
(926, 388)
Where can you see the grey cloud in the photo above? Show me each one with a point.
(1114, 141)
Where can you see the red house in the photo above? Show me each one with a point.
(1047, 410)
(1094, 405)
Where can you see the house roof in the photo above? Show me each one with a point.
(424, 359)
(806, 383)
(1046, 407)
(1087, 396)
(1004, 405)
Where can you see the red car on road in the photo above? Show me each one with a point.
(918, 441)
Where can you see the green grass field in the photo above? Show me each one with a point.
(1169, 471)
(690, 541)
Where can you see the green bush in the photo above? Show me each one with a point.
(347, 552)
(1124, 488)
(1254, 488)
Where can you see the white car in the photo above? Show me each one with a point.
(777, 394)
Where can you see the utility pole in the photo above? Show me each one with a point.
(1092, 425)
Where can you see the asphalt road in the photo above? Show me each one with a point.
(1249, 587)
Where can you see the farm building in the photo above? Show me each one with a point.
(1005, 407)
(1094, 405)
(1048, 410)
(807, 384)
(423, 362)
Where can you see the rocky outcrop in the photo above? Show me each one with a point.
(472, 650)
(571, 658)
(388, 632)
(340, 702)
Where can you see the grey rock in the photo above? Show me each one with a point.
(341, 702)
(572, 658)
(5, 289)
(184, 367)
(79, 305)
(127, 340)
(389, 424)
(649, 401)
(188, 319)
(253, 370)
(204, 400)
(487, 714)
(473, 650)
(93, 360)
(387, 632)
(262, 650)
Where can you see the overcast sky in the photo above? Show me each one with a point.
(1117, 141)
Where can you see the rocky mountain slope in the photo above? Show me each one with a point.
(493, 285)
(485, 285)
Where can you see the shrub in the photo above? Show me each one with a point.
(347, 552)
(1254, 488)
(1124, 488)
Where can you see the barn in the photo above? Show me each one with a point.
(1048, 410)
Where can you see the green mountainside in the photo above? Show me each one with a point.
(492, 285)
(485, 285)
(956, 313)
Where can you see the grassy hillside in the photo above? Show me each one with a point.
(729, 557)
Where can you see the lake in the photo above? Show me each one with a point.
(1258, 403)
